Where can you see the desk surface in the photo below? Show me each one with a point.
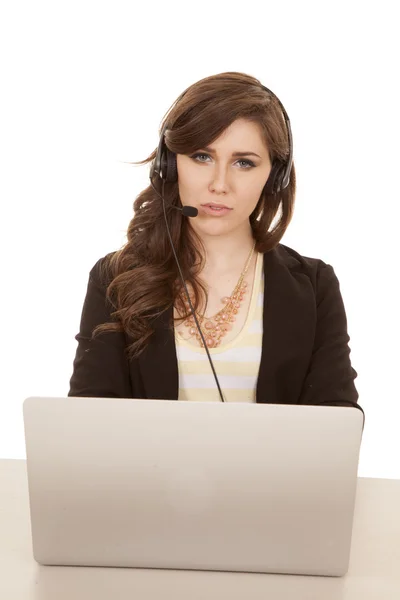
(374, 563)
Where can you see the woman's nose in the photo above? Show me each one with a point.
(219, 181)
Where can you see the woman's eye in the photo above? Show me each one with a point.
(248, 163)
(198, 155)
(245, 164)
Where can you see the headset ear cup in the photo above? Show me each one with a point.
(163, 165)
(279, 177)
(171, 172)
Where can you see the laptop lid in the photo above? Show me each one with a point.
(192, 485)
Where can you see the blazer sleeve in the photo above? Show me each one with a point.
(100, 367)
(330, 377)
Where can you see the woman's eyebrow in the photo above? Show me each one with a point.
(211, 150)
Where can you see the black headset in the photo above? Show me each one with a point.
(165, 165)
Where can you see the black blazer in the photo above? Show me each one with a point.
(305, 356)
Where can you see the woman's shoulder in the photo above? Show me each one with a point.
(103, 270)
(285, 257)
(292, 257)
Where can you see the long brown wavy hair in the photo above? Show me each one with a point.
(142, 278)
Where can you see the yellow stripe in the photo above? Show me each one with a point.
(200, 395)
(221, 368)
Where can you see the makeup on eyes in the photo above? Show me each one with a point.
(249, 163)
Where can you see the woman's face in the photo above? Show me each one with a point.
(231, 173)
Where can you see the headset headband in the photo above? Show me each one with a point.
(164, 163)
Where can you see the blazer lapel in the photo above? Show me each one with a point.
(289, 317)
(158, 362)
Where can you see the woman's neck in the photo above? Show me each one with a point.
(226, 254)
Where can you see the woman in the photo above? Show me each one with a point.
(272, 321)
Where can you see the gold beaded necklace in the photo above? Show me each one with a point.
(215, 327)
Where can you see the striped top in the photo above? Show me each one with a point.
(236, 363)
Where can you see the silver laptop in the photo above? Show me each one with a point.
(192, 485)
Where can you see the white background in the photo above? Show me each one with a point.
(84, 86)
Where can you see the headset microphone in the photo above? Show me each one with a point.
(187, 211)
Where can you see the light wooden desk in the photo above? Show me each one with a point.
(374, 572)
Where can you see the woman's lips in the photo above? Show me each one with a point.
(216, 210)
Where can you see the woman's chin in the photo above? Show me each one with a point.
(211, 226)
